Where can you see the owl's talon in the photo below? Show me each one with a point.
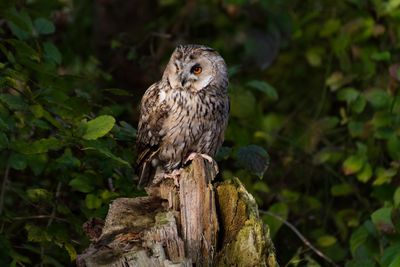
(204, 156)
(208, 158)
(174, 175)
(190, 157)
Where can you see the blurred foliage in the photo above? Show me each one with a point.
(314, 83)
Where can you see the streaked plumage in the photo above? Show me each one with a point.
(184, 112)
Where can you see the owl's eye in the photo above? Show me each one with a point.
(196, 70)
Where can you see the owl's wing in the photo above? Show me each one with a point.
(152, 116)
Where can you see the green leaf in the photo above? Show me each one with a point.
(51, 119)
(358, 238)
(353, 164)
(326, 241)
(393, 147)
(382, 220)
(106, 195)
(37, 111)
(51, 53)
(68, 160)
(361, 263)
(38, 147)
(358, 105)
(331, 155)
(19, 258)
(389, 254)
(265, 88)
(108, 154)
(98, 127)
(13, 102)
(38, 194)
(20, 19)
(381, 56)
(233, 70)
(314, 56)
(336, 80)
(353, 99)
(82, 183)
(44, 26)
(396, 197)
(3, 125)
(17, 161)
(37, 162)
(384, 176)
(36, 234)
(343, 189)
(92, 201)
(261, 187)
(271, 125)
(365, 174)
(290, 196)
(378, 98)
(125, 132)
(71, 251)
(356, 128)
(254, 158)
(330, 27)
(395, 262)
(3, 141)
(24, 51)
(381, 119)
(19, 23)
(348, 94)
(322, 156)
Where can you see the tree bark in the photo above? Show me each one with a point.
(187, 221)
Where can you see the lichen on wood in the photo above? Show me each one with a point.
(184, 222)
(246, 239)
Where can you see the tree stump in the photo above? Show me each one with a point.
(184, 222)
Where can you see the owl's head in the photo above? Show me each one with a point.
(194, 67)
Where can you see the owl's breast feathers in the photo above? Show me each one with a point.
(174, 123)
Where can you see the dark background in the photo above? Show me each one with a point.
(314, 95)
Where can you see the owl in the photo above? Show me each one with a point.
(183, 114)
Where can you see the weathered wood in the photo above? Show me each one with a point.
(137, 232)
(246, 239)
(198, 212)
(181, 223)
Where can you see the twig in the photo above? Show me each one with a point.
(111, 184)
(302, 237)
(53, 212)
(51, 219)
(39, 217)
(3, 187)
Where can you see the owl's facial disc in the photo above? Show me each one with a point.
(193, 68)
(188, 78)
(195, 74)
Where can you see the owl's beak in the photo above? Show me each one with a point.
(184, 79)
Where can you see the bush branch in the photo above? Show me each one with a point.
(299, 235)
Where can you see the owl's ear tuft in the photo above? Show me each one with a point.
(208, 49)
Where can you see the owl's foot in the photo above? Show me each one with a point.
(174, 175)
(204, 156)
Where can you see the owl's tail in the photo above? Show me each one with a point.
(145, 169)
(146, 174)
